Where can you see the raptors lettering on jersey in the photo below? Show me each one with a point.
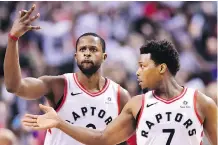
(169, 121)
(178, 118)
(100, 113)
(82, 108)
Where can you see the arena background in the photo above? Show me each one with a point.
(125, 26)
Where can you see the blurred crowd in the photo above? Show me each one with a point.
(125, 26)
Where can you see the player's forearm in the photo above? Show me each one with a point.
(12, 72)
(81, 134)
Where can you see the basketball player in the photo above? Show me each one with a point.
(84, 98)
(169, 115)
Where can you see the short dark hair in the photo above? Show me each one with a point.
(95, 35)
(162, 52)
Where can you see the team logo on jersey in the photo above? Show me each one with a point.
(108, 100)
(74, 94)
(149, 105)
(185, 105)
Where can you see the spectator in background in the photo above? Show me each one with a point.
(58, 51)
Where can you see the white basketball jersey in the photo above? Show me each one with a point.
(82, 108)
(169, 122)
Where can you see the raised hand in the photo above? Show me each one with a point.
(23, 22)
(49, 120)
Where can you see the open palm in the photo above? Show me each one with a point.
(48, 120)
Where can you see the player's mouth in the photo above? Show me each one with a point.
(139, 81)
(87, 61)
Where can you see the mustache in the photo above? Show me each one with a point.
(87, 61)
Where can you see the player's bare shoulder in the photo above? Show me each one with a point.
(209, 110)
(50, 79)
(204, 103)
(135, 104)
(55, 84)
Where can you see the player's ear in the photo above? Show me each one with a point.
(162, 68)
(75, 56)
(104, 56)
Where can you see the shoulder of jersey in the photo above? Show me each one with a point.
(112, 82)
(148, 94)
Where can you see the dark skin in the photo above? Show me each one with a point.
(151, 76)
(89, 48)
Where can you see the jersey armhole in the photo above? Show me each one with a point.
(118, 99)
(63, 99)
(195, 108)
(59, 103)
(138, 117)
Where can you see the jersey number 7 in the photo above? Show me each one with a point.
(171, 131)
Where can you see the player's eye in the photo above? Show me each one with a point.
(82, 49)
(141, 66)
(93, 49)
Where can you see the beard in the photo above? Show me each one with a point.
(89, 70)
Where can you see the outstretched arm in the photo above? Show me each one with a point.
(116, 132)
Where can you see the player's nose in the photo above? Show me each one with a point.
(137, 72)
(87, 53)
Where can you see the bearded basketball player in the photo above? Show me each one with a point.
(169, 114)
(84, 98)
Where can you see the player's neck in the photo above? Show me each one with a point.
(91, 83)
(169, 88)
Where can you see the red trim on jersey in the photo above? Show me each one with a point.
(202, 134)
(90, 93)
(132, 140)
(65, 94)
(118, 99)
(172, 99)
(142, 108)
(195, 107)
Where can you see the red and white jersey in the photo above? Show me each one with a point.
(169, 122)
(82, 108)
